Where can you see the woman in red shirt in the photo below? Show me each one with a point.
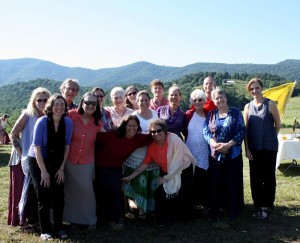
(112, 149)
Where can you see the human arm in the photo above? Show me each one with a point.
(246, 119)
(275, 113)
(16, 131)
(60, 175)
(45, 177)
(142, 167)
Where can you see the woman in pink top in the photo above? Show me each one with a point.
(80, 202)
(173, 194)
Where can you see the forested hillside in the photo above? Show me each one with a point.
(25, 69)
(14, 97)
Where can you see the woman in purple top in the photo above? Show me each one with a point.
(47, 156)
(174, 117)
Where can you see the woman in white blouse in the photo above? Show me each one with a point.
(198, 146)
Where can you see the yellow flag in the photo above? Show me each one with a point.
(280, 95)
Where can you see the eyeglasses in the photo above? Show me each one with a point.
(93, 103)
(41, 100)
(195, 100)
(131, 93)
(153, 132)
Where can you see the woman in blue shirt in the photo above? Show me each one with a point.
(224, 131)
(47, 156)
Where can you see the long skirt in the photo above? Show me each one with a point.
(15, 191)
(80, 201)
(141, 188)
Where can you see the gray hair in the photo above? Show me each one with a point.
(69, 80)
(216, 91)
(197, 93)
(117, 91)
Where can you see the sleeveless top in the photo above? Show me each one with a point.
(261, 131)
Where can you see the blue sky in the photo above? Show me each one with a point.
(99, 34)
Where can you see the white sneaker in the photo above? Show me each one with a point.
(46, 237)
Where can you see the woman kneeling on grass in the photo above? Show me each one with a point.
(48, 153)
(173, 194)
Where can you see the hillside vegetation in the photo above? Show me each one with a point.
(25, 69)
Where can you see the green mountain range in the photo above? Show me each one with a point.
(25, 69)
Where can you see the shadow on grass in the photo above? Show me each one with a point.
(4, 154)
(290, 169)
(281, 226)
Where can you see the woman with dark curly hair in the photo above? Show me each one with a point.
(47, 156)
(112, 149)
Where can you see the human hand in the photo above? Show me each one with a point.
(161, 180)
(223, 148)
(249, 154)
(60, 176)
(45, 179)
(126, 179)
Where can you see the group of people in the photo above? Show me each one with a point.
(87, 162)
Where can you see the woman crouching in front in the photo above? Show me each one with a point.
(173, 194)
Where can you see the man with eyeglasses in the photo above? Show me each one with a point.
(69, 90)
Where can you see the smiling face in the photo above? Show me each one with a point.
(69, 92)
(174, 97)
(40, 101)
(143, 102)
(220, 100)
(131, 95)
(157, 91)
(208, 84)
(59, 107)
(157, 133)
(255, 89)
(198, 103)
(89, 104)
(131, 128)
(100, 96)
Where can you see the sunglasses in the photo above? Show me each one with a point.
(93, 103)
(156, 131)
(132, 93)
(41, 100)
(195, 100)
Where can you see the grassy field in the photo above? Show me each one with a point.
(283, 225)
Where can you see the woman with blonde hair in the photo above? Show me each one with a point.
(22, 207)
(262, 127)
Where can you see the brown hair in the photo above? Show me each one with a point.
(254, 80)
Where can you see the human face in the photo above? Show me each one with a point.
(91, 105)
(131, 128)
(208, 85)
(131, 95)
(198, 103)
(157, 133)
(100, 97)
(118, 101)
(157, 90)
(255, 89)
(59, 107)
(40, 101)
(143, 102)
(69, 92)
(220, 100)
(174, 98)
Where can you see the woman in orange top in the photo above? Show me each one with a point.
(173, 194)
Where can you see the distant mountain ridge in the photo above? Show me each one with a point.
(25, 69)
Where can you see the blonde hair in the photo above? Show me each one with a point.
(31, 108)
